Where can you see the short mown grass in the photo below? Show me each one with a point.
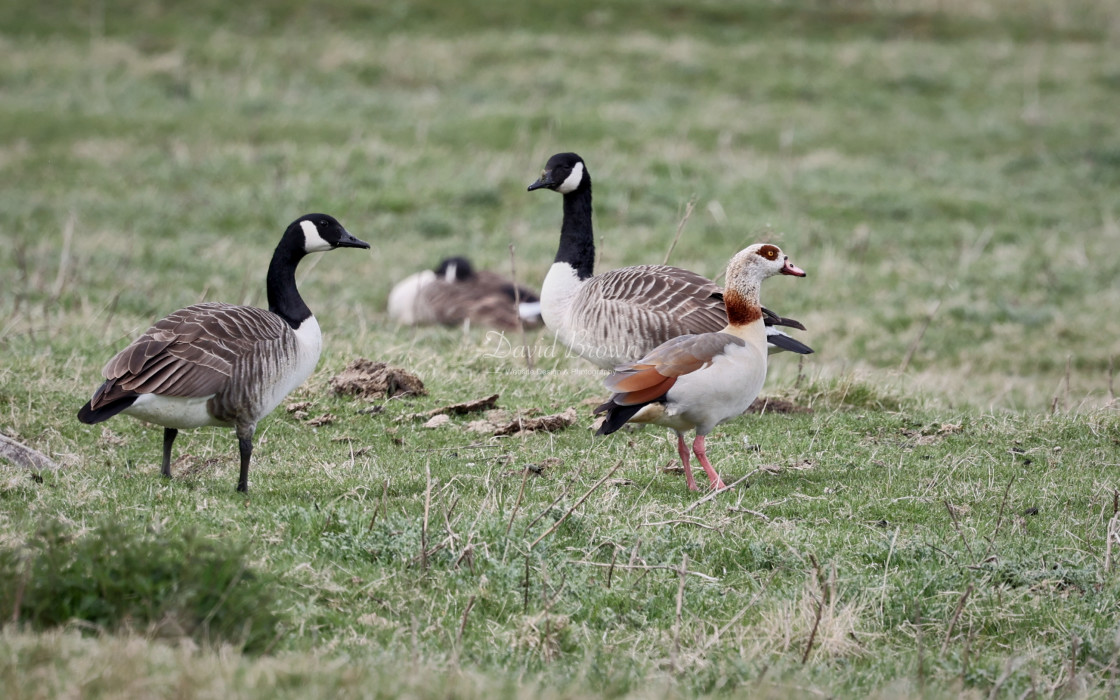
(941, 521)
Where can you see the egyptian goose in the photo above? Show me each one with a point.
(696, 382)
(616, 316)
(220, 364)
(455, 292)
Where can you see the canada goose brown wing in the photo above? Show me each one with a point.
(498, 285)
(451, 303)
(485, 298)
(442, 302)
(649, 304)
(191, 352)
(496, 311)
(498, 301)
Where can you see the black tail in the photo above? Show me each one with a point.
(617, 415)
(88, 414)
(785, 342)
(772, 319)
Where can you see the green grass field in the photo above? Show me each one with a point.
(943, 521)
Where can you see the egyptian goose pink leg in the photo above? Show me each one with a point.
(702, 455)
(682, 450)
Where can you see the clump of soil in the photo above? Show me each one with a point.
(773, 404)
(459, 409)
(500, 422)
(373, 380)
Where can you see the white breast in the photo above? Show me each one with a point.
(560, 287)
(309, 345)
(404, 299)
(719, 392)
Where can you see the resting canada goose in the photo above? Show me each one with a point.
(699, 381)
(622, 314)
(455, 292)
(220, 364)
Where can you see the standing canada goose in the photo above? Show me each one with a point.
(455, 292)
(220, 364)
(616, 316)
(699, 381)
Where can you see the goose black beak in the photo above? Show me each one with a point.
(545, 180)
(348, 241)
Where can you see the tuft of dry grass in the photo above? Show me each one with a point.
(815, 622)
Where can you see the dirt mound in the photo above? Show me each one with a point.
(373, 380)
(776, 405)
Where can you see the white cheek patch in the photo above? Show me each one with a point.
(571, 182)
(312, 241)
(450, 273)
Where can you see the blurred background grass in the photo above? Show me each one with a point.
(946, 159)
(943, 162)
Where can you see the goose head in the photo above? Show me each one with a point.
(455, 269)
(563, 173)
(322, 232)
(757, 262)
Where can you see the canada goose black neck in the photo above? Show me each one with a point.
(567, 174)
(577, 237)
(283, 297)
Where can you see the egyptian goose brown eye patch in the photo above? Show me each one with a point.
(769, 252)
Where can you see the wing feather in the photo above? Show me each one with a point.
(664, 300)
(485, 298)
(651, 377)
(191, 352)
(773, 319)
(629, 311)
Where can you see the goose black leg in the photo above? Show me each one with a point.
(245, 444)
(169, 435)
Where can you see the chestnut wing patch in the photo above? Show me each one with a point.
(651, 377)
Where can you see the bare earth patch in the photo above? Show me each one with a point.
(458, 409)
(498, 423)
(373, 380)
(773, 404)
